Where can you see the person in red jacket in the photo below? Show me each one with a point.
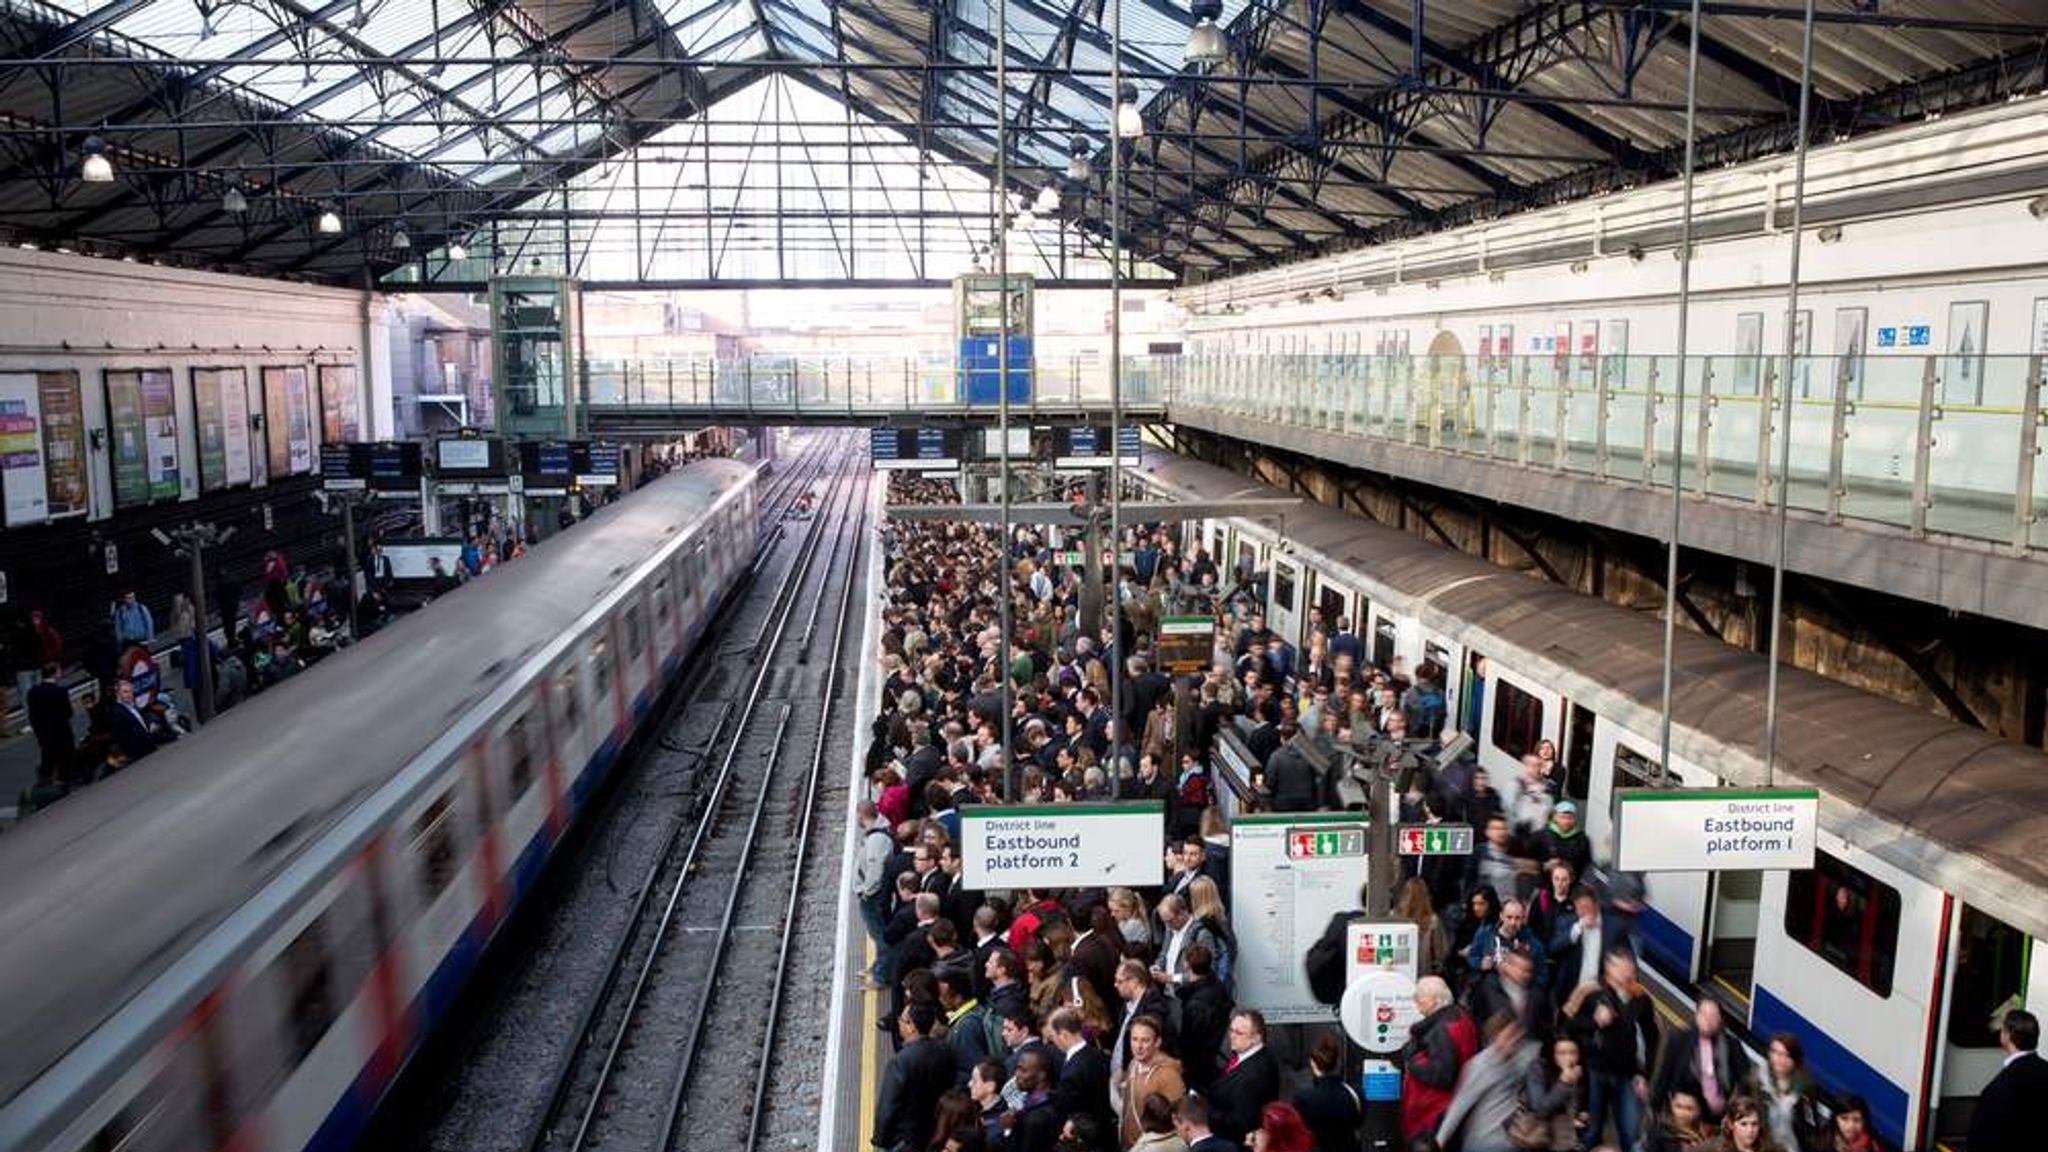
(1438, 1046)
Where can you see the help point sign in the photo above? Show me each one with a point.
(1063, 846)
(1716, 829)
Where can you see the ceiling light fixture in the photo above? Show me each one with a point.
(1130, 122)
(93, 165)
(1078, 167)
(1207, 45)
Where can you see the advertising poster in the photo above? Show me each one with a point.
(125, 428)
(288, 420)
(63, 443)
(160, 438)
(213, 450)
(340, 420)
(234, 416)
(21, 450)
(299, 420)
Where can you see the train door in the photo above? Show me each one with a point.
(1520, 714)
(1988, 962)
(1283, 613)
(1335, 602)
(1673, 919)
(1440, 658)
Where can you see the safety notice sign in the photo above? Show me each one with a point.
(1063, 846)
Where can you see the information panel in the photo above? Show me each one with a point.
(1063, 846)
(1290, 872)
(1714, 829)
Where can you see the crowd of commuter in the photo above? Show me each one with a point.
(1103, 1020)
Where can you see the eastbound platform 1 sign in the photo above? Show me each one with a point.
(1063, 846)
(1716, 829)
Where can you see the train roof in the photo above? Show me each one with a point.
(107, 889)
(1954, 805)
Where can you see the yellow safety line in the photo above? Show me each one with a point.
(1738, 993)
(869, 1044)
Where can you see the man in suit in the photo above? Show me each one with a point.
(1250, 1080)
(1096, 952)
(1191, 1118)
(49, 717)
(2008, 1117)
(1083, 1088)
(917, 1076)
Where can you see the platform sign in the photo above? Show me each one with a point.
(1290, 873)
(1716, 829)
(1433, 840)
(1119, 845)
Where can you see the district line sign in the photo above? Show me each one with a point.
(1063, 845)
(1716, 829)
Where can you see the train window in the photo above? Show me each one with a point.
(636, 629)
(1991, 977)
(1846, 918)
(1632, 769)
(1517, 720)
(572, 701)
(311, 1005)
(1283, 588)
(518, 760)
(433, 843)
(600, 670)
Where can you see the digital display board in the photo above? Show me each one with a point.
(394, 467)
(596, 463)
(470, 457)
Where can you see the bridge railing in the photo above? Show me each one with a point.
(1928, 443)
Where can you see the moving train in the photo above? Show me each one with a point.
(1925, 912)
(239, 943)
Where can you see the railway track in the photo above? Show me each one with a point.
(655, 1037)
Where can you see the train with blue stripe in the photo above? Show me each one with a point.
(1890, 959)
(239, 942)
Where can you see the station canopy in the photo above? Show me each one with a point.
(351, 141)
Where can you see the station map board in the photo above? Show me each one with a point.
(1290, 873)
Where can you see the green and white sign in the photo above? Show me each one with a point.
(1716, 829)
(1063, 846)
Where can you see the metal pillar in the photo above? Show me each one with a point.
(1671, 546)
(1784, 480)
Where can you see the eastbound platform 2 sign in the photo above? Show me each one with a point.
(1716, 829)
(1063, 846)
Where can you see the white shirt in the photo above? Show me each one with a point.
(1589, 951)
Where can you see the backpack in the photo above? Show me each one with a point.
(1194, 793)
(1325, 961)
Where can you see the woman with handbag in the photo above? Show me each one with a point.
(1553, 1100)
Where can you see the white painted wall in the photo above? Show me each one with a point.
(60, 311)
